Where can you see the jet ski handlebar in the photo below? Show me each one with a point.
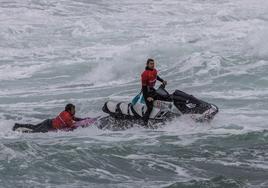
(162, 86)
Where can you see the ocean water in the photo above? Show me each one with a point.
(53, 52)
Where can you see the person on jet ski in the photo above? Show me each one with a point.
(64, 121)
(148, 79)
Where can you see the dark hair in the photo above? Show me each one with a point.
(69, 107)
(149, 60)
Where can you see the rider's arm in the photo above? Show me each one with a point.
(77, 119)
(159, 79)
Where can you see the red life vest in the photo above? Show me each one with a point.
(63, 120)
(148, 77)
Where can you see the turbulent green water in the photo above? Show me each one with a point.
(85, 52)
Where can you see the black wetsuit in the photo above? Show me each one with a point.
(42, 127)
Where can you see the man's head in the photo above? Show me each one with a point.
(70, 108)
(150, 63)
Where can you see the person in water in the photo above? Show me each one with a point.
(148, 80)
(64, 121)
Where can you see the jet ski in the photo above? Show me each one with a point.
(123, 114)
